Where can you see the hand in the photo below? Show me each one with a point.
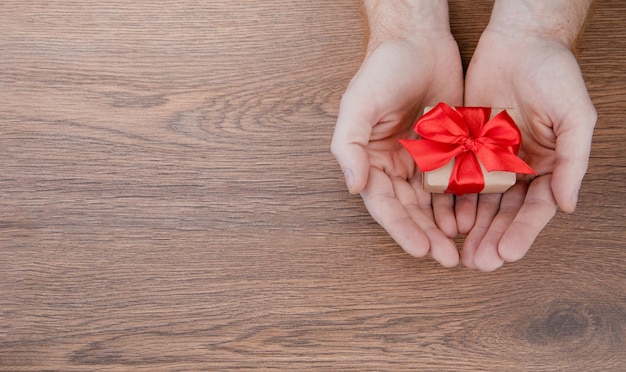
(536, 74)
(404, 71)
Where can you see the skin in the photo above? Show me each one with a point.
(523, 61)
(412, 61)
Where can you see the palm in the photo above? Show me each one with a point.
(400, 95)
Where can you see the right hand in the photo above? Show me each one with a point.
(399, 77)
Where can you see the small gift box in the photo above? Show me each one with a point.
(466, 150)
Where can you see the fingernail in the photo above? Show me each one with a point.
(347, 174)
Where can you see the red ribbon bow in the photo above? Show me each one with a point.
(467, 134)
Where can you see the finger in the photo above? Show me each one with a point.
(573, 145)
(465, 211)
(352, 134)
(382, 203)
(486, 209)
(487, 257)
(443, 209)
(424, 199)
(442, 249)
(538, 209)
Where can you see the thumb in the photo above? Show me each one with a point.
(573, 145)
(352, 134)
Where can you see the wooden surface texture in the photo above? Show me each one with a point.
(168, 201)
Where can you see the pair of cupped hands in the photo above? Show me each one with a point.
(535, 75)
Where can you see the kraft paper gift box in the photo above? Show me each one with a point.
(467, 150)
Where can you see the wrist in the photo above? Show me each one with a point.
(406, 19)
(559, 20)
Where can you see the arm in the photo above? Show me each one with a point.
(561, 20)
(524, 60)
(402, 19)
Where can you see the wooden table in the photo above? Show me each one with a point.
(168, 202)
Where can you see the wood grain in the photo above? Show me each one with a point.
(168, 202)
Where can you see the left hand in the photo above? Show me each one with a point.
(539, 78)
